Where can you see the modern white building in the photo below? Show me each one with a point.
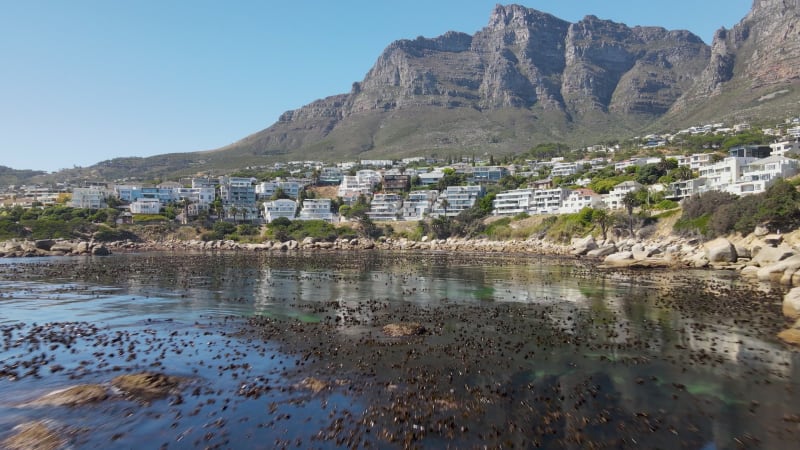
(316, 209)
(613, 199)
(418, 204)
(91, 197)
(548, 201)
(385, 207)
(680, 190)
(455, 199)
(785, 147)
(723, 173)
(267, 189)
(581, 198)
(146, 206)
(511, 203)
(280, 208)
(564, 169)
(760, 174)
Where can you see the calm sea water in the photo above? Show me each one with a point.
(631, 359)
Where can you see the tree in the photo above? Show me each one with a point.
(279, 194)
(450, 178)
(603, 219)
(631, 201)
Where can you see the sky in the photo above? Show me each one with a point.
(82, 81)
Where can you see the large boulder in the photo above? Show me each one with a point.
(792, 335)
(44, 244)
(770, 255)
(583, 246)
(602, 252)
(791, 304)
(720, 250)
(775, 272)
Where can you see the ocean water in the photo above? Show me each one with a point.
(513, 352)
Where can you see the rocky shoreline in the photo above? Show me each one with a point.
(759, 257)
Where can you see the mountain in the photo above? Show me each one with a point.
(753, 72)
(526, 78)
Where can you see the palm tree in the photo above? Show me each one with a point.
(631, 201)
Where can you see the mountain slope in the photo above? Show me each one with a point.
(753, 72)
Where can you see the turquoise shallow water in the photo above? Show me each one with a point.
(517, 351)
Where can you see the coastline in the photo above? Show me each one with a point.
(759, 257)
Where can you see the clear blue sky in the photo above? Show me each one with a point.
(88, 80)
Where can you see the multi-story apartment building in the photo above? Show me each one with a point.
(511, 203)
(280, 208)
(548, 201)
(455, 199)
(418, 204)
(385, 207)
(317, 209)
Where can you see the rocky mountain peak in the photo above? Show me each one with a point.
(528, 73)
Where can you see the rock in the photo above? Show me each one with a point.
(63, 246)
(743, 252)
(640, 252)
(760, 231)
(773, 240)
(791, 304)
(618, 259)
(774, 272)
(720, 250)
(82, 247)
(74, 396)
(146, 386)
(602, 252)
(100, 250)
(770, 255)
(403, 329)
(792, 335)
(313, 384)
(44, 244)
(749, 272)
(33, 435)
(582, 246)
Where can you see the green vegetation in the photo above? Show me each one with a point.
(718, 213)
(283, 229)
(53, 222)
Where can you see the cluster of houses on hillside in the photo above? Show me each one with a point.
(402, 190)
(746, 170)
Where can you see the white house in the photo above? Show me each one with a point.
(511, 203)
(784, 148)
(317, 209)
(92, 198)
(760, 174)
(283, 207)
(720, 174)
(679, 190)
(579, 199)
(146, 206)
(563, 169)
(418, 204)
(385, 207)
(548, 201)
(614, 198)
(455, 199)
(696, 161)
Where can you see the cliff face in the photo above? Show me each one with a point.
(757, 60)
(525, 58)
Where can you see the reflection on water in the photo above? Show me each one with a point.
(648, 341)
